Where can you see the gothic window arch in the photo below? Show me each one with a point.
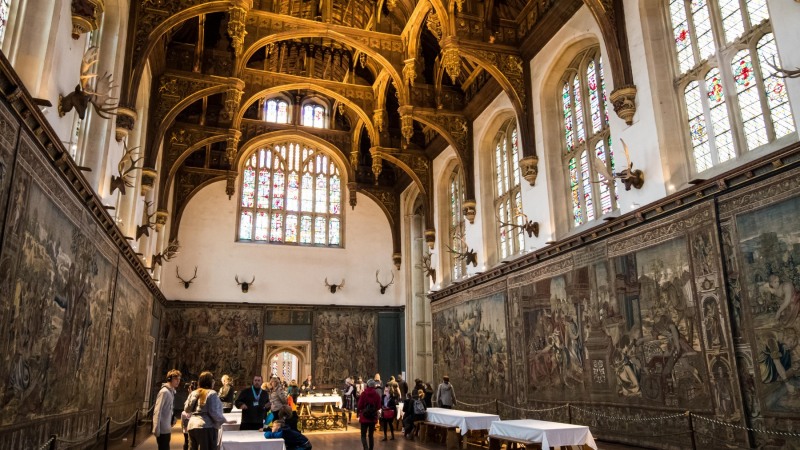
(291, 194)
(455, 220)
(733, 101)
(313, 115)
(276, 110)
(507, 193)
(586, 138)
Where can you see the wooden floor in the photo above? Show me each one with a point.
(350, 440)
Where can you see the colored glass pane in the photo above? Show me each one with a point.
(594, 97)
(577, 214)
(732, 21)
(319, 117)
(501, 212)
(775, 87)
(755, 130)
(697, 127)
(336, 195)
(757, 10)
(319, 230)
(308, 115)
(262, 221)
(586, 182)
(263, 188)
(682, 35)
(246, 225)
(498, 163)
(291, 228)
(278, 182)
(566, 102)
(504, 166)
(305, 230)
(702, 27)
(334, 231)
(293, 192)
(515, 155)
(604, 186)
(720, 124)
(248, 187)
(520, 221)
(272, 111)
(321, 194)
(603, 89)
(276, 228)
(283, 113)
(307, 192)
(576, 92)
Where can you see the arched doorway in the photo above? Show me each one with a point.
(287, 360)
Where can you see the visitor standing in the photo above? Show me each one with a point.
(445, 395)
(162, 412)
(254, 403)
(369, 405)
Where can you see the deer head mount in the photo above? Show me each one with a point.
(186, 283)
(168, 253)
(784, 73)
(629, 176)
(383, 286)
(245, 284)
(97, 94)
(529, 226)
(149, 224)
(425, 265)
(468, 255)
(334, 287)
(125, 167)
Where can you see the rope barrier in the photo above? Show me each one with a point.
(89, 436)
(534, 410)
(124, 421)
(630, 419)
(739, 427)
(475, 406)
(47, 444)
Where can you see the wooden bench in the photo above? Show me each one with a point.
(496, 443)
(452, 438)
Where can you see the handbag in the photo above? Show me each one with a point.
(387, 413)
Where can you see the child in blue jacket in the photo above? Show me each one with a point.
(293, 439)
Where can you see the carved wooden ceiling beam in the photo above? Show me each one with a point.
(252, 128)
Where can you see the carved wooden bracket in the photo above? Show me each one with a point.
(126, 119)
(86, 16)
(529, 167)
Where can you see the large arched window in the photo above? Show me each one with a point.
(734, 102)
(5, 10)
(456, 227)
(587, 139)
(276, 110)
(508, 198)
(291, 194)
(313, 115)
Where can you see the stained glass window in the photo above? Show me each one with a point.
(587, 143)
(507, 199)
(277, 111)
(313, 116)
(720, 85)
(5, 8)
(295, 199)
(457, 226)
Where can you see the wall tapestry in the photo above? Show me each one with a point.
(344, 345)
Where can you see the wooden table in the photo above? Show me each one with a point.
(548, 434)
(457, 423)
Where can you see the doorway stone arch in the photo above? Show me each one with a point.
(300, 349)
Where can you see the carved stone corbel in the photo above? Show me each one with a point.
(529, 166)
(624, 101)
(236, 28)
(149, 177)
(397, 258)
(430, 237)
(86, 16)
(468, 209)
(352, 189)
(161, 219)
(126, 119)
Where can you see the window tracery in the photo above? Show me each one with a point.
(456, 224)
(508, 196)
(291, 194)
(733, 100)
(276, 111)
(313, 115)
(587, 138)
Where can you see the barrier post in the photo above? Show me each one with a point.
(108, 428)
(53, 442)
(569, 413)
(135, 428)
(497, 407)
(691, 430)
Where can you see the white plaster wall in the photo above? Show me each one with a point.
(284, 274)
(785, 17)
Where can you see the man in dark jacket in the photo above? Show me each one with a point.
(254, 404)
(369, 406)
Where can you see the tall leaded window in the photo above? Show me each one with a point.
(587, 151)
(456, 224)
(313, 115)
(291, 194)
(508, 198)
(733, 99)
(276, 110)
(5, 9)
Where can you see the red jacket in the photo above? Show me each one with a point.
(369, 396)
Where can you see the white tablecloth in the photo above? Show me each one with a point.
(249, 440)
(314, 400)
(464, 420)
(550, 434)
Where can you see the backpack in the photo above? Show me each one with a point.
(370, 412)
(419, 407)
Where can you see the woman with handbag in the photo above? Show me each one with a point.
(388, 412)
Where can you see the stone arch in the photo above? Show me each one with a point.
(442, 197)
(300, 349)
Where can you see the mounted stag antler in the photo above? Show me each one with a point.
(784, 73)
(383, 286)
(168, 253)
(425, 265)
(186, 283)
(628, 176)
(244, 284)
(84, 94)
(334, 287)
(529, 226)
(149, 224)
(469, 255)
(122, 181)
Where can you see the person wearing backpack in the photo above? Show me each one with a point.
(369, 404)
(420, 411)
